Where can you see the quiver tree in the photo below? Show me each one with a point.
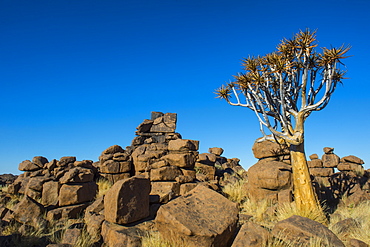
(283, 88)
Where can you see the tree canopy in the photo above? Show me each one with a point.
(285, 86)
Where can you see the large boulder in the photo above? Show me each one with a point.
(71, 194)
(299, 230)
(28, 211)
(272, 175)
(202, 217)
(127, 201)
(266, 149)
(251, 235)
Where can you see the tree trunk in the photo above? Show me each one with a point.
(304, 195)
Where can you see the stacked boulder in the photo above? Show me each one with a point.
(323, 168)
(115, 164)
(270, 178)
(61, 189)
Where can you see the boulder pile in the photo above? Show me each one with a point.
(162, 183)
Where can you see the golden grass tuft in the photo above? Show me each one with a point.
(103, 186)
(235, 192)
(154, 239)
(287, 210)
(361, 214)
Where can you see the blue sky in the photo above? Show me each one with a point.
(79, 76)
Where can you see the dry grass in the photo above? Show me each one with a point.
(361, 214)
(287, 210)
(154, 239)
(103, 186)
(235, 192)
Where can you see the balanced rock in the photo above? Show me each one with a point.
(266, 149)
(202, 217)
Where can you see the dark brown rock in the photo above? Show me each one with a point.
(266, 149)
(50, 193)
(352, 159)
(28, 211)
(316, 163)
(182, 160)
(300, 230)
(77, 175)
(202, 217)
(183, 145)
(120, 236)
(27, 165)
(330, 160)
(251, 234)
(165, 191)
(272, 175)
(127, 201)
(77, 193)
(216, 151)
(166, 173)
(321, 172)
(328, 150)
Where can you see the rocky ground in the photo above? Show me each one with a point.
(160, 187)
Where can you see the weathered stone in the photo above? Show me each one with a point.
(121, 157)
(356, 243)
(113, 178)
(330, 160)
(77, 175)
(36, 183)
(314, 163)
(166, 191)
(40, 161)
(184, 179)
(114, 149)
(207, 170)
(183, 160)
(66, 160)
(300, 230)
(112, 166)
(77, 193)
(51, 165)
(127, 201)
(50, 193)
(259, 194)
(321, 172)
(67, 212)
(348, 166)
(251, 234)
(216, 151)
(71, 236)
(202, 217)
(183, 145)
(94, 216)
(189, 173)
(27, 165)
(185, 188)
(207, 158)
(166, 173)
(285, 197)
(352, 159)
(120, 236)
(28, 211)
(266, 149)
(162, 127)
(313, 156)
(328, 150)
(159, 164)
(145, 126)
(272, 175)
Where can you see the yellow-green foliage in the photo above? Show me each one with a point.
(235, 192)
(103, 186)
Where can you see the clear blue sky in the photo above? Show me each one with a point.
(79, 76)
